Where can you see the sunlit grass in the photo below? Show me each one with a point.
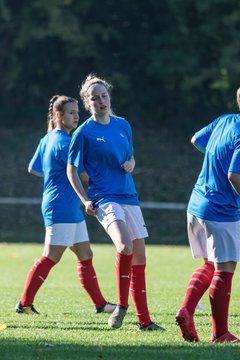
(68, 328)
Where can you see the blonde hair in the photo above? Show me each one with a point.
(238, 97)
(57, 103)
(90, 80)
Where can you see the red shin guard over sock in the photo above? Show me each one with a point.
(35, 279)
(197, 286)
(88, 279)
(139, 294)
(220, 290)
(123, 274)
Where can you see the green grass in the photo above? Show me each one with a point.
(69, 329)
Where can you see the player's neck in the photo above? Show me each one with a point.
(102, 119)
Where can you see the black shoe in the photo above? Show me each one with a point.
(150, 327)
(29, 310)
(108, 308)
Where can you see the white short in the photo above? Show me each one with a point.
(130, 214)
(66, 234)
(214, 240)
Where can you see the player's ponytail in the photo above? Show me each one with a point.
(51, 123)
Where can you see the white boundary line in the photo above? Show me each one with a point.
(144, 204)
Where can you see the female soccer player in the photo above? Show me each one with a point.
(63, 218)
(103, 146)
(214, 226)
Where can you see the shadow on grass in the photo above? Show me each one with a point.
(14, 349)
(34, 322)
(63, 325)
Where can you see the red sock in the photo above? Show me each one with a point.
(35, 279)
(197, 286)
(139, 294)
(88, 279)
(220, 291)
(123, 274)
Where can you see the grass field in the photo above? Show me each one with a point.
(68, 328)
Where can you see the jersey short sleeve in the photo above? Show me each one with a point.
(36, 161)
(203, 135)
(75, 154)
(235, 162)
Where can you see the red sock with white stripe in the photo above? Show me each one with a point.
(35, 279)
(88, 279)
(220, 291)
(123, 274)
(197, 286)
(138, 293)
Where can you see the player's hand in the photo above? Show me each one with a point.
(127, 166)
(89, 208)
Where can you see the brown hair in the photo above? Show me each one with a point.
(57, 103)
(90, 80)
(238, 97)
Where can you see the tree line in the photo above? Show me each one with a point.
(171, 62)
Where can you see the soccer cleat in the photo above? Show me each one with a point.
(185, 321)
(227, 337)
(108, 308)
(29, 310)
(116, 319)
(150, 327)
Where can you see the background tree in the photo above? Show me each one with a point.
(168, 59)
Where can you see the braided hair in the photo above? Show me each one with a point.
(56, 103)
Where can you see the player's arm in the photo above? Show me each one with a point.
(197, 145)
(84, 177)
(34, 172)
(234, 179)
(75, 181)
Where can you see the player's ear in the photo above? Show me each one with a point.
(58, 115)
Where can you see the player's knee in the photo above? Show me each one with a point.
(125, 249)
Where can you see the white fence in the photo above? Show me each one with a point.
(144, 204)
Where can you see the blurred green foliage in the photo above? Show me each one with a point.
(167, 59)
(174, 66)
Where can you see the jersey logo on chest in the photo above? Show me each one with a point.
(101, 139)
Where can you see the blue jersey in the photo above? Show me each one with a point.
(60, 203)
(213, 197)
(101, 150)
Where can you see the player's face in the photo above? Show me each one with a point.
(98, 100)
(70, 117)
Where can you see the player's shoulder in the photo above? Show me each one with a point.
(120, 121)
(57, 139)
(230, 125)
(84, 127)
(229, 117)
(226, 121)
(235, 119)
(118, 118)
(231, 120)
(44, 139)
